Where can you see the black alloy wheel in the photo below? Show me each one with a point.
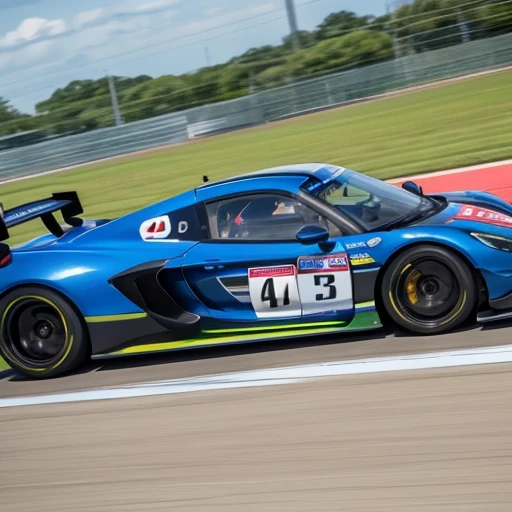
(429, 290)
(41, 334)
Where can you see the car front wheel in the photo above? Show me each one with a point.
(41, 334)
(429, 290)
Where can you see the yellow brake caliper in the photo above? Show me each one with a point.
(411, 289)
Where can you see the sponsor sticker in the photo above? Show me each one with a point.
(337, 171)
(288, 270)
(362, 258)
(29, 211)
(334, 263)
(474, 213)
(311, 263)
(156, 229)
(338, 261)
(373, 242)
(355, 245)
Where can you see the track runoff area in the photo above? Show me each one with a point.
(494, 177)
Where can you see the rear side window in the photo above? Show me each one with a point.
(262, 217)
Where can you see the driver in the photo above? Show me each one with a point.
(284, 208)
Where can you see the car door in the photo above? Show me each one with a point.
(252, 269)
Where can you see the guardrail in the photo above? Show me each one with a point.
(267, 106)
(92, 146)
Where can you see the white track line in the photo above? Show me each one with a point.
(277, 376)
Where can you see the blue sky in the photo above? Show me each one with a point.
(44, 44)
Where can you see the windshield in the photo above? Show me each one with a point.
(371, 202)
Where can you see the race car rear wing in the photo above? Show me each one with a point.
(67, 203)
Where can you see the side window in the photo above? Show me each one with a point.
(265, 217)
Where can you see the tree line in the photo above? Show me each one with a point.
(342, 41)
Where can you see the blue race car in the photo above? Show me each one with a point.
(291, 251)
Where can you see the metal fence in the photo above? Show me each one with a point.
(266, 106)
(409, 71)
(91, 146)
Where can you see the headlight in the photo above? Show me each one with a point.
(496, 242)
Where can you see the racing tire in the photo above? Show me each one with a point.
(41, 334)
(429, 290)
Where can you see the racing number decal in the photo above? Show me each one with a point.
(274, 292)
(325, 284)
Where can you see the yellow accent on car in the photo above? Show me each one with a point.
(395, 307)
(273, 327)
(365, 305)
(407, 267)
(462, 304)
(205, 342)
(114, 318)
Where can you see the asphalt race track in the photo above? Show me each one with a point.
(423, 440)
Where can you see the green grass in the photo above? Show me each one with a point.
(452, 125)
(449, 126)
(3, 365)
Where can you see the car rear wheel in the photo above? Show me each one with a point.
(429, 290)
(41, 334)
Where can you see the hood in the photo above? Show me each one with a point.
(477, 198)
(475, 213)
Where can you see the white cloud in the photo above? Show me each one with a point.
(87, 17)
(41, 55)
(33, 29)
(199, 27)
(213, 11)
(149, 7)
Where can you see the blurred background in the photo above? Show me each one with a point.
(80, 85)
(142, 98)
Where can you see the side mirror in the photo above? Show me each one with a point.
(309, 235)
(412, 187)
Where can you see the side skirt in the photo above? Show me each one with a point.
(366, 318)
(486, 317)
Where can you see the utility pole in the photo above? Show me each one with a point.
(207, 55)
(465, 31)
(115, 104)
(396, 47)
(292, 20)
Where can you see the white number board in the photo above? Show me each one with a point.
(274, 292)
(325, 283)
(317, 284)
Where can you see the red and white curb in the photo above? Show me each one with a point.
(480, 167)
